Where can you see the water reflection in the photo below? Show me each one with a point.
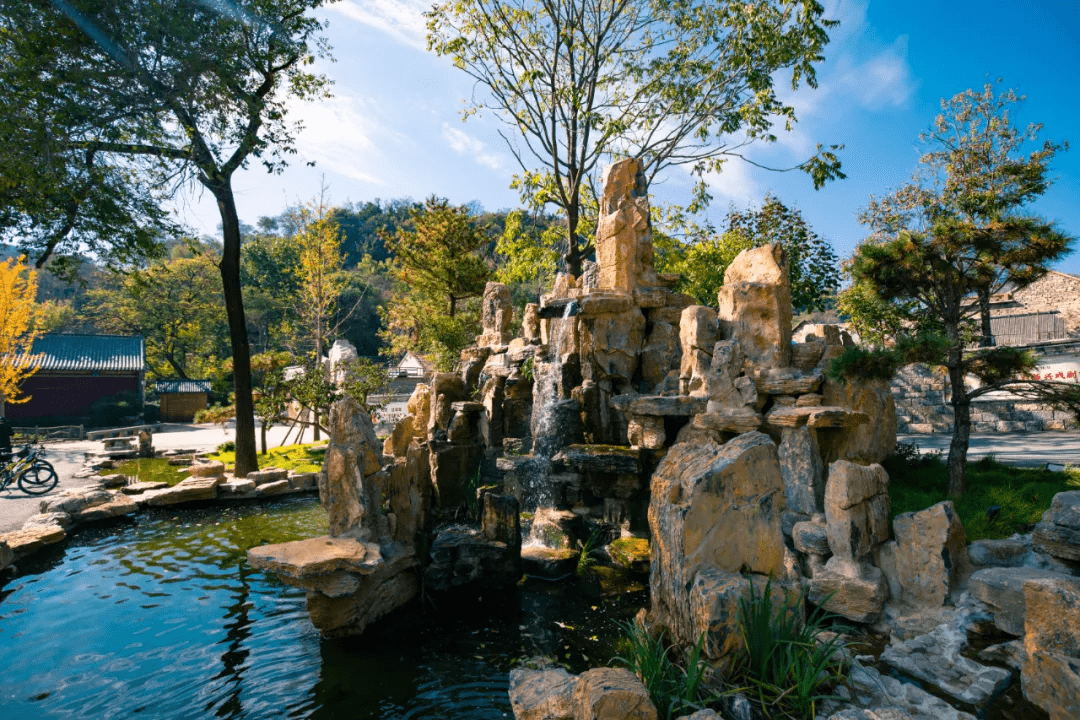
(160, 616)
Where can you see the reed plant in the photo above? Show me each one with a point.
(787, 664)
(676, 689)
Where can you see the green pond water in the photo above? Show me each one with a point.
(160, 616)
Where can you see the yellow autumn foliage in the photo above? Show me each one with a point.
(18, 292)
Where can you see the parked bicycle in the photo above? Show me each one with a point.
(29, 468)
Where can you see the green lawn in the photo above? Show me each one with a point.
(301, 458)
(1022, 493)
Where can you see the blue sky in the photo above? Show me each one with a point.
(393, 128)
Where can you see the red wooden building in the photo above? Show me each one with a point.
(78, 370)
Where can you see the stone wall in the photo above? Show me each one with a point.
(922, 403)
(1054, 292)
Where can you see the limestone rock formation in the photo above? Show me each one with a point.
(1051, 665)
(497, 315)
(611, 694)
(546, 694)
(1058, 533)
(931, 554)
(1002, 591)
(624, 251)
(713, 506)
(755, 306)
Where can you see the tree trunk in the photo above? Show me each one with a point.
(573, 251)
(958, 448)
(246, 457)
(987, 339)
(262, 428)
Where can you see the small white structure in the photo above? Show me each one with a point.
(405, 375)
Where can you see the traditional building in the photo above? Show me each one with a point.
(181, 399)
(76, 371)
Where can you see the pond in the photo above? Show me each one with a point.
(160, 616)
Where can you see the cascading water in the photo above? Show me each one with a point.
(548, 437)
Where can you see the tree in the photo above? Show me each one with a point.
(57, 200)
(700, 254)
(185, 90)
(176, 306)
(438, 270)
(18, 288)
(943, 241)
(671, 83)
(815, 271)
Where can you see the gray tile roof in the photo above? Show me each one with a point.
(182, 386)
(90, 353)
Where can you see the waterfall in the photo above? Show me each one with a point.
(547, 438)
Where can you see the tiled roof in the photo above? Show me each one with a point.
(90, 353)
(182, 386)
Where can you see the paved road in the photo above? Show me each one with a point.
(1027, 449)
(68, 456)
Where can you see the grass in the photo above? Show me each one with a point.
(152, 470)
(1023, 494)
(785, 664)
(290, 457)
(675, 689)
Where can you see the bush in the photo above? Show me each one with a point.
(114, 409)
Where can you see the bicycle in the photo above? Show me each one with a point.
(27, 467)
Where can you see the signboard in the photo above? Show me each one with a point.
(1059, 368)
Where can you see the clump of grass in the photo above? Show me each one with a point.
(1023, 494)
(585, 561)
(785, 663)
(675, 689)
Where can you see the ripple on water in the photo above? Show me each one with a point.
(162, 617)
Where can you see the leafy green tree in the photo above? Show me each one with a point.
(815, 271)
(942, 241)
(439, 275)
(701, 254)
(176, 306)
(670, 83)
(58, 201)
(527, 253)
(182, 90)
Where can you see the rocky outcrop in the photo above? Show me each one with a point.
(624, 251)
(542, 694)
(755, 306)
(1051, 664)
(1002, 591)
(931, 554)
(497, 315)
(1058, 534)
(717, 508)
(857, 518)
(935, 659)
(364, 568)
(611, 694)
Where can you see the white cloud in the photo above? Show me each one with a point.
(344, 136)
(403, 20)
(464, 144)
(734, 184)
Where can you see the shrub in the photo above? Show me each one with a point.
(112, 410)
